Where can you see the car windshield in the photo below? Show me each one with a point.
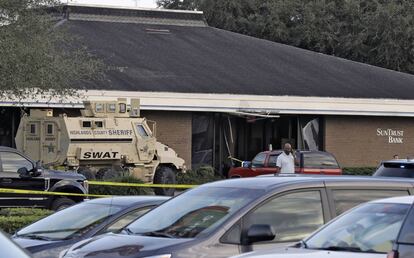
(395, 170)
(369, 228)
(193, 213)
(70, 222)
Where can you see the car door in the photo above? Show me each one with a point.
(10, 163)
(293, 215)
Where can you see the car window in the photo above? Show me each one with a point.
(126, 219)
(272, 161)
(395, 170)
(13, 161)
(407, 231)
(370, 228)
(259, 160)
(319, 160)
(293, 215)
(347, 199)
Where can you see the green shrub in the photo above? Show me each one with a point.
(362, 171)
(12, 219)
(121, 190)
(202, 175)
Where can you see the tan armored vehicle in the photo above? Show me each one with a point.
(109, 139)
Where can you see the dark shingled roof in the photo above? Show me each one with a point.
(150, 55)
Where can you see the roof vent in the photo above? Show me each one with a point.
(157, 31)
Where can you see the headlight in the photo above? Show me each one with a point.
(160, 256)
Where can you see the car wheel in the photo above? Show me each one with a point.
(62, 203)
(164, 175)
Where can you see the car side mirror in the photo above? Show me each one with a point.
(23, 172)
(246, 164)
(259, 233)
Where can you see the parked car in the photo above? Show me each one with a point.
(306, 162)
(49, 236)
(230, 217)
(396, 168)
(367, 231)
(18, 171)
(9, 249)
(404, 245)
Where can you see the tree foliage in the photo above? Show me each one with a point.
(38, 54)
(377, 32)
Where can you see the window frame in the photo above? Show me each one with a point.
(16, 153)
(326, 213)
(330, 192)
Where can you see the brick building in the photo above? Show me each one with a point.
(215, 94)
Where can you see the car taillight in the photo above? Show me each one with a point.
(392, 254)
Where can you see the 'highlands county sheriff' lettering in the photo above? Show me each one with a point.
(394, 136)
(101, 132)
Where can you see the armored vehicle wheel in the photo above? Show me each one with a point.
(62, 203)
(164, 175)
(87, 172)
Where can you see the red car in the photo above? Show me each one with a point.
(306, 162)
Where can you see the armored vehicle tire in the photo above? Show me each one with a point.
(61, 203)
(87, 172)
(164, 175)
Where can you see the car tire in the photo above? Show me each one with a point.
(164, 175)
(61, 203)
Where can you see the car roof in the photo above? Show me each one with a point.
(129, 200)
(4, 148)
(270, 182)
(399, 161)
(400, 199)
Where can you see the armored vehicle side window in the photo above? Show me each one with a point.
(49, 129)
(13, 161)
(141, 131)
(111, 108)
(87, 124)
(122, 108)
(99, 107)
(98, 124)
(33, 129)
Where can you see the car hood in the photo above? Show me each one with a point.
(56, 174)
(33, 243)
(120, 245)
(290, 252)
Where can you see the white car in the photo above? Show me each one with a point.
(367, 231)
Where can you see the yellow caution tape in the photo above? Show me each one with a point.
(141, 185)
(21, 191)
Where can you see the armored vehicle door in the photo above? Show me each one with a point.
(145, 142)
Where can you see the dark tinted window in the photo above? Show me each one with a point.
(98, 124)
(319, 160)
(293, 215)
(272, 161)
(141, 131)
(49, 129)
(407, 231)
(395, 170)
(347, 199)
(13, 161)
(33, 129)
(259, 160)
(87, 124)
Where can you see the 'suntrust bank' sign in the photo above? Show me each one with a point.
(393, 136)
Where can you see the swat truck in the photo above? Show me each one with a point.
(109, 139)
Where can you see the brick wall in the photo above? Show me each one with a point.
(175, 130)
(355, 141)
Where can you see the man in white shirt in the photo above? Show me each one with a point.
(285, 163)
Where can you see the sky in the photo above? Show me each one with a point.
(130, 3)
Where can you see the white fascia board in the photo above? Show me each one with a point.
(231, 103)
